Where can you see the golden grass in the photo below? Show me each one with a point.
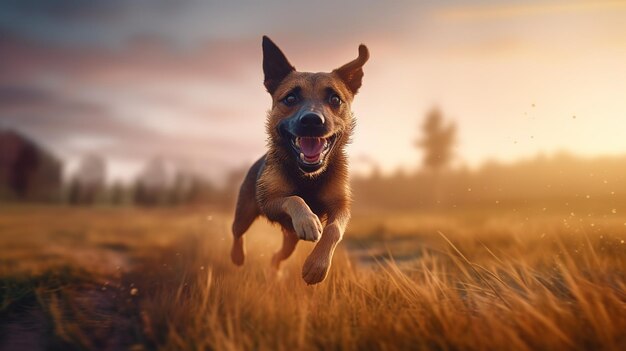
(501, 282)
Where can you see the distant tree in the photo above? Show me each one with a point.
(154, 175)
(117, 193)
(437, 141)
(73, 192)
(89, 178)
(179, 192)
(151, 185)
(28, 172)
(140, 195)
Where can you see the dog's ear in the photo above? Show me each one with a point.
(275, 65)
(352, 72)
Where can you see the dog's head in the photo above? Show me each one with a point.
(311, 119)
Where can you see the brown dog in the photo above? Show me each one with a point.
(302, 181)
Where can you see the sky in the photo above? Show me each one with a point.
(182, 81)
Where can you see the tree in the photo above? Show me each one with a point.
(437, 142)
(151, 184)
(117, 193)
(87, 187)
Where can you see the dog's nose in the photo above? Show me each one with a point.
(312, 119)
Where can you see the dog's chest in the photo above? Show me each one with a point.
(313, 200)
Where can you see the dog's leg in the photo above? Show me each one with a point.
(290, 239)
(305, 223)
(244, 216)
(246, 212)
(318, 263)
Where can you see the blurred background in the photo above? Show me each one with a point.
(160, 103)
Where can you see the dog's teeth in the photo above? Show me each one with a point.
(298, 142)
(302, 156)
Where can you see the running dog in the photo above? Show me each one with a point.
(301, 182)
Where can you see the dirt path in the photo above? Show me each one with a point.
(97, 313)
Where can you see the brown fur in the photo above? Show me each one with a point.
(309, 204)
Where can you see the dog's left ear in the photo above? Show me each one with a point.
(275, 65)
(352, 72)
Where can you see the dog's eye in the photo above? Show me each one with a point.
(290, 99)
(334, 100)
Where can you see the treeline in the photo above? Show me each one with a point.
(562, 178)
(29, 173)
(185, 190)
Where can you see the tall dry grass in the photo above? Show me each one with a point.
(497, 285)
(111, 279)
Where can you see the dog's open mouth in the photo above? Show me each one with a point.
(312, 151)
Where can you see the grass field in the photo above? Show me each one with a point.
(508, 279)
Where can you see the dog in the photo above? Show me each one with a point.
(301, 183)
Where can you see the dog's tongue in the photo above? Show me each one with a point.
(311, 147)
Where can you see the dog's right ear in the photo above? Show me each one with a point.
(275, 65)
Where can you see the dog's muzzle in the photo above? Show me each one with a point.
(309, 139)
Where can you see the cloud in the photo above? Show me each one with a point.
(527, 9)
(188, 24)
(20, 96)
(74, 128)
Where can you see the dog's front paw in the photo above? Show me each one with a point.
(308, 227)
(315, 269)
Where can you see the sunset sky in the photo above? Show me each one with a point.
(133, 80)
